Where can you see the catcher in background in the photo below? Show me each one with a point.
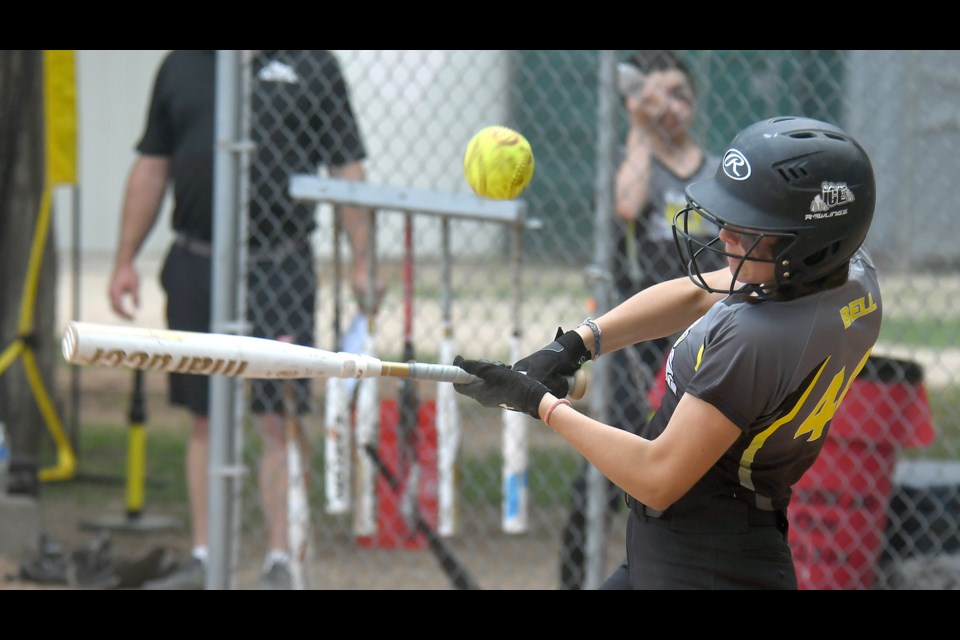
(770, 345)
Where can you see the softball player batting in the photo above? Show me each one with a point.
(771, 345)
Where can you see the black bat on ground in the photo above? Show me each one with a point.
(459, 576)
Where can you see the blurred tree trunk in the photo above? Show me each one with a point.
(22, 170)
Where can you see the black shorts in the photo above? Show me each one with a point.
(186, 279)
(282, 302)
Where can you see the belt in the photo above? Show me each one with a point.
(716, 515)
(275, 253)
(193, 245)
(279, 251)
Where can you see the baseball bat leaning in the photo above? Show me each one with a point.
(192, 352)
(366, 427)
(448, 416)
(459, 577)
(299, 527)
(408, 424)
(514, 494)
(337, 446)
(367, 434)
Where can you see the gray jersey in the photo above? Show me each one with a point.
(666, 197)
(654, 257)
(778, 370)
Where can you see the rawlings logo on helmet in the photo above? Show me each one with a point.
(735, 165)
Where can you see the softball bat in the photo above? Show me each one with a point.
(171, 351)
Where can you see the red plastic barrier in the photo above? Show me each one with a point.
(392, 529)
(838, 514)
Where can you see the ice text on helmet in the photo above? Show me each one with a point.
(832, 194)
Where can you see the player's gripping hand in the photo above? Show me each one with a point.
(555, 363)
(501, 386)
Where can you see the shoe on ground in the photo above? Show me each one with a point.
(276, 578)
(190, 575)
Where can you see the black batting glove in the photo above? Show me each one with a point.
(555, 363)
(501, 386)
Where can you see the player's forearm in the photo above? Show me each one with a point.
(146, 187)
(656, 312)
(657, 472)
(356, 220)
(628, 460)
(356, 225)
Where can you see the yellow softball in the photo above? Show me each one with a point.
(498, 163)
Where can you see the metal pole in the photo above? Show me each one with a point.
(516, 456)
(76, 291)
(601, 394)
(224, 468)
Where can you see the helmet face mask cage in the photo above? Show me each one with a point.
(695, 251)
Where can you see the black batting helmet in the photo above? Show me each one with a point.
(801, 180)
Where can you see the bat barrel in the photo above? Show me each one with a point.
(197, 353)
(69, 343)
(207, 354)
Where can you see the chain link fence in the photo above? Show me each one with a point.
(880, 508)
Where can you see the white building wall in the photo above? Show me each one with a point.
(113, 90)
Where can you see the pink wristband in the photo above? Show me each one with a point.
(546, 417)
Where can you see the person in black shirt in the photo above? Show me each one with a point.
(302, 119)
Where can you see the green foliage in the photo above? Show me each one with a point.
(930, 332)
(943, 407)
(549, 476)
(102, 468)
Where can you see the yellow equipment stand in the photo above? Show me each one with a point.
(134, 520)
